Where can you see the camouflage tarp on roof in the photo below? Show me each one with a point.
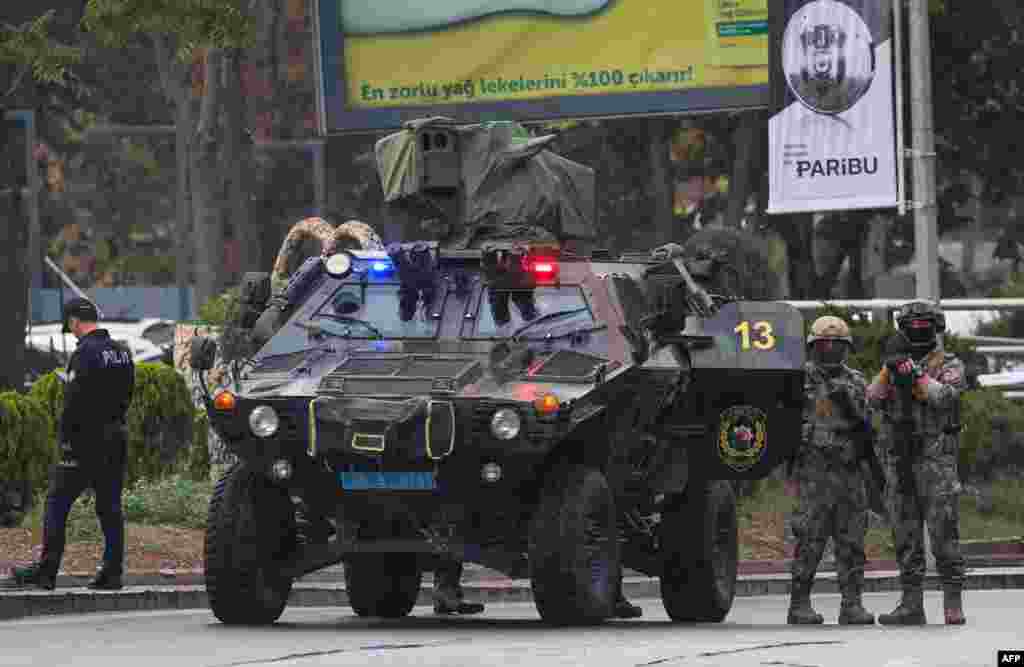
(512, 186)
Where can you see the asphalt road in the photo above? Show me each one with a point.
(755, 634)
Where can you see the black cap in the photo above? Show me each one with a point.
(83, 309)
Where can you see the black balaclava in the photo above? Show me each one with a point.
(922, 332)
(830, 354)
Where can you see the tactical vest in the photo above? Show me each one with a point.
(931, 421)
(831, 427)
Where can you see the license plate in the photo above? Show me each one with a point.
(389, 481)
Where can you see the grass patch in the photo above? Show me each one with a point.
(175, 501)
(769, 496)
(761, 521)
(762, 516)
(1005, 520)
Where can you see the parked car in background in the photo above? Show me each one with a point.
(151, 339)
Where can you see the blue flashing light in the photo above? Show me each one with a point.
(381, 267)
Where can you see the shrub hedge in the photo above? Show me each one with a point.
(162, 422)
(27, 444)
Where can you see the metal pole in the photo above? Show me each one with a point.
(67, 281)
(34, 232)
(319, 178)
(926, 240)
(183, 212)
(901, 150)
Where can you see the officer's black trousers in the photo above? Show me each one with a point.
(67, 483)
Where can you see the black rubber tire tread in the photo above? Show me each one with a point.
(567, 589)
(383, 585)
(698, 580)
(250, 524)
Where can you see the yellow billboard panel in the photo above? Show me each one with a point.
(388, 54)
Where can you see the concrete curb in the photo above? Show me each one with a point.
(1008, 556)
(21, 604)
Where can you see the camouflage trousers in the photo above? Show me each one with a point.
(933, 499)
(832, 503)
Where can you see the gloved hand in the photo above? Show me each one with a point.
(907, 373)
(880, 391)
(920, 389)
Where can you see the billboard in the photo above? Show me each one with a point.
(831, 140)
(383, 62)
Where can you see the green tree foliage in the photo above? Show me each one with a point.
(222, 312)
(981, 409)
(979, 88)
(198, 24)
(30, 46)
(221, 309)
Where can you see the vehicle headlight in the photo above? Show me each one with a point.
(281, 470)
(263, 421)
(505, 424)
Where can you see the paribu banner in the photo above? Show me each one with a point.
(831, 140)
(539, 58)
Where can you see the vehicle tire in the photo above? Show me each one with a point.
(250, 526)
(700, 553)
(574, 549)
(383, 585)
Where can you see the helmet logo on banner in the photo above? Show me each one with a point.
(828, 56)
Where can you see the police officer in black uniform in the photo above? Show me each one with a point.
(93, 444)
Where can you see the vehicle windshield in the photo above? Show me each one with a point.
(552, 307)
(372, 310)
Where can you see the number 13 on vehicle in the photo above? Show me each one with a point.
(758, 335)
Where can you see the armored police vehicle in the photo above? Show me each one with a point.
(547, 414)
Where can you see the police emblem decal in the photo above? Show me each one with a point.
(742, 437)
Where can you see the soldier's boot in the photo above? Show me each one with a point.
(448, 592)
(953, 603)
(851, 610)
(626, 609)
(910, 610)
(800, 610)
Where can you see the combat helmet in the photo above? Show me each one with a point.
(831, 327)
(921, 322)
(834, 331)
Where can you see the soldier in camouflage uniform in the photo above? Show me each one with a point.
(833, 497)
(931, 494)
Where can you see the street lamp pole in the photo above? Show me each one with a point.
(922, 152)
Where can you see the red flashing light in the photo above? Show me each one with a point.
(543, 269)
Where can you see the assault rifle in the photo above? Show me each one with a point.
(863, 436)
(907, 443)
